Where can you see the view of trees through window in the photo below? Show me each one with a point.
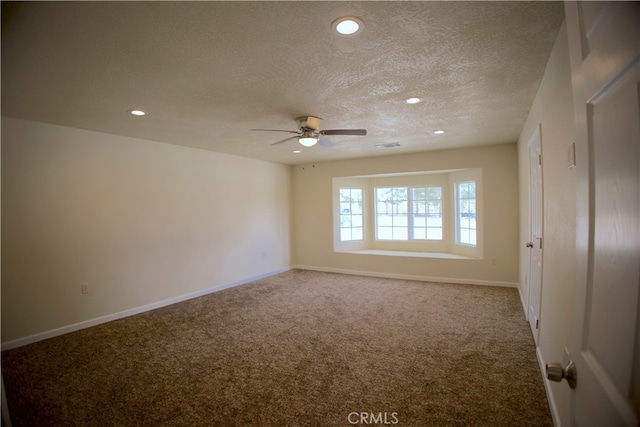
(430, 212)
(466, 213)
(427, 213)
(351, 223)
(409, 213)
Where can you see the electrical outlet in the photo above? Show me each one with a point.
(84, 288)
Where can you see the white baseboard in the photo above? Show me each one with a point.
(130, 312)
(550, 398)
(137, 310)
(408, 276)
(524, 303)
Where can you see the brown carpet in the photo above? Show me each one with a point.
(300, 348)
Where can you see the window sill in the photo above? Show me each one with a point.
(440, 255)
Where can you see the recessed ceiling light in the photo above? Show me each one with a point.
(348, 26)
(438, 132)
(136, 112)
(413, 100)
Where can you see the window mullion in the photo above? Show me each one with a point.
(410, 212)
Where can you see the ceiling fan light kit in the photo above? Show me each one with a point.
(308, 141)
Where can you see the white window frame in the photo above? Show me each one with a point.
(458, 215)
(410, 204)
(456, 178)
(350, 245)
(350, 214)
(427, 212)
(445, 179)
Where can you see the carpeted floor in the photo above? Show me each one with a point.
(300, 348)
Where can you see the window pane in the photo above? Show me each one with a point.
(400, 233)
(392, 206)
(434, 221)
(384, 220)
(419, 221)
(404, 213)
(357, 234)
(400, 221)
(384, 233)
(464, 236)
(426, 212)
(419, 233)
(434, 233)
(466, 216)
(351, 225)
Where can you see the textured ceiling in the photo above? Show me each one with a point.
(208, 72)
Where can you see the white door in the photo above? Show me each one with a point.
(535, 233)
(604, 45)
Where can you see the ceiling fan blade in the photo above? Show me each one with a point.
(360, 132)
(277, 130)
(325, 142)
(285, 140)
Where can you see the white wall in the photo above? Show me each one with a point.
(313, 218)
(552, 108)
(138, 221)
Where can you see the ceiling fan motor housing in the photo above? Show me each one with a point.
(308, 123)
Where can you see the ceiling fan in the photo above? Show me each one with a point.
(308, 133)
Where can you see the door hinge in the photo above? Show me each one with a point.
(539, 159)
(537, 320)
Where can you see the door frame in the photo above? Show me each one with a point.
(535, 292)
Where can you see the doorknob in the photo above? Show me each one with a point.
(529, 244)
(555, 372)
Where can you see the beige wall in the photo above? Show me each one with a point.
(553, 110)
(138, 221)
(313, 218)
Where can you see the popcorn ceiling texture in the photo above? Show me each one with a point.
(208, 72)
(300, 348)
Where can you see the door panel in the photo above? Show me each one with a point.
(604, 45)
(535, 233)
(612, 300)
